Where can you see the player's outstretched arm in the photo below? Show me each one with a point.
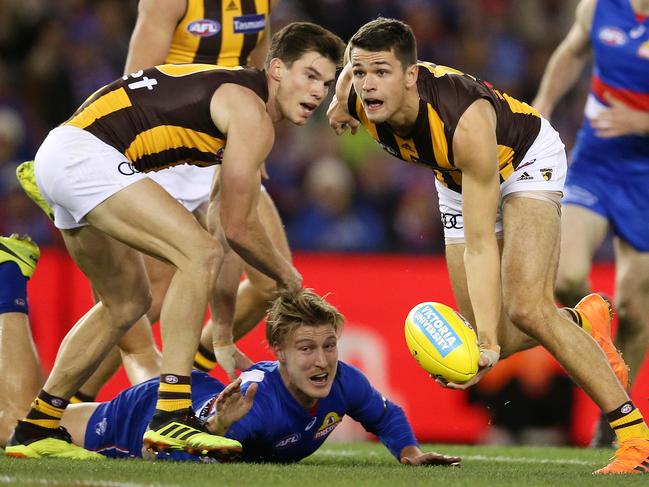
(230, 406)
(238, 113)
(567, 61)
(154, 29)
(480, 199)
(412, 455)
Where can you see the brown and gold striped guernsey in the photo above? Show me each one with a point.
(222, 32)
(444, 95)
(160, 117)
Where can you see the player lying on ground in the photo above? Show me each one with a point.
(280, 411)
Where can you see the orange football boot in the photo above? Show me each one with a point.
(631, 458)
(598, 311)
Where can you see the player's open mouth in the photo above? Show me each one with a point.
(308, 107)
(373, 104)
(319, 379)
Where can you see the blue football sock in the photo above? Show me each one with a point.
(13, 289)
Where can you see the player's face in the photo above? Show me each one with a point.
(380, 82)
(309, 360)
(304, 86)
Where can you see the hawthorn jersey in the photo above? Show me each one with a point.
(160, 117)
(222, 32)
(444, 95)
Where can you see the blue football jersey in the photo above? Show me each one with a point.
(277, 428)
(620, 43)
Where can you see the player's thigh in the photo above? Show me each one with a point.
(631, 282)
(157, 225)
(582, 232)
(115, 270)
(75, 420)
(510, 338)
(531, 235)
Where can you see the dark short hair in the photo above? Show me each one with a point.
(386, 35)
(298, 38)
(303, 308)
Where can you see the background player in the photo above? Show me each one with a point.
(133, 119)
(608, 180)
(438, 116)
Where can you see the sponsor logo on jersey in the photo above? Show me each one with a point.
(171, 379)
(546, 173)
(452, 220)
(525, 177)
(643, 50)
(612, 36)
(204, 27)
(331, 421)
(231, 6)
(126, 168)
(288, 441)
(249, 24)
(311, 423)
(436, 328)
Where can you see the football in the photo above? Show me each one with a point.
(442, 342)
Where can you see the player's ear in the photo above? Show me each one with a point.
(279, 353)
(275, 69)
(412, 72)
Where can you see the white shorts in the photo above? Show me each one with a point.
(76, 172)
(190, 185)
(543, 169)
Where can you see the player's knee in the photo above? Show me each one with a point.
(526, 315)
(207, 255)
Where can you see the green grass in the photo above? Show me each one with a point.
(361, 464)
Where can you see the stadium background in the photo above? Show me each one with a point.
(365, 226)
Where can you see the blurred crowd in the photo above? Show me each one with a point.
(334, 193)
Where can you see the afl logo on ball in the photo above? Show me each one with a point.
(204, 28)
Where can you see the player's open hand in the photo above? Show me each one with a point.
(412, 455)
(232, 405)
(339, 118)
(619, 119)
(489, 356)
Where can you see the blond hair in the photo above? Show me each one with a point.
(304, 308)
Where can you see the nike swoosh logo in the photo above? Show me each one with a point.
(11, 252)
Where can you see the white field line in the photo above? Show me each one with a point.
(478, 458)
(7, 479)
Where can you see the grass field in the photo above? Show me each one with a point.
(356, 464)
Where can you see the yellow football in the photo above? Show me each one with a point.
(442, 342)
